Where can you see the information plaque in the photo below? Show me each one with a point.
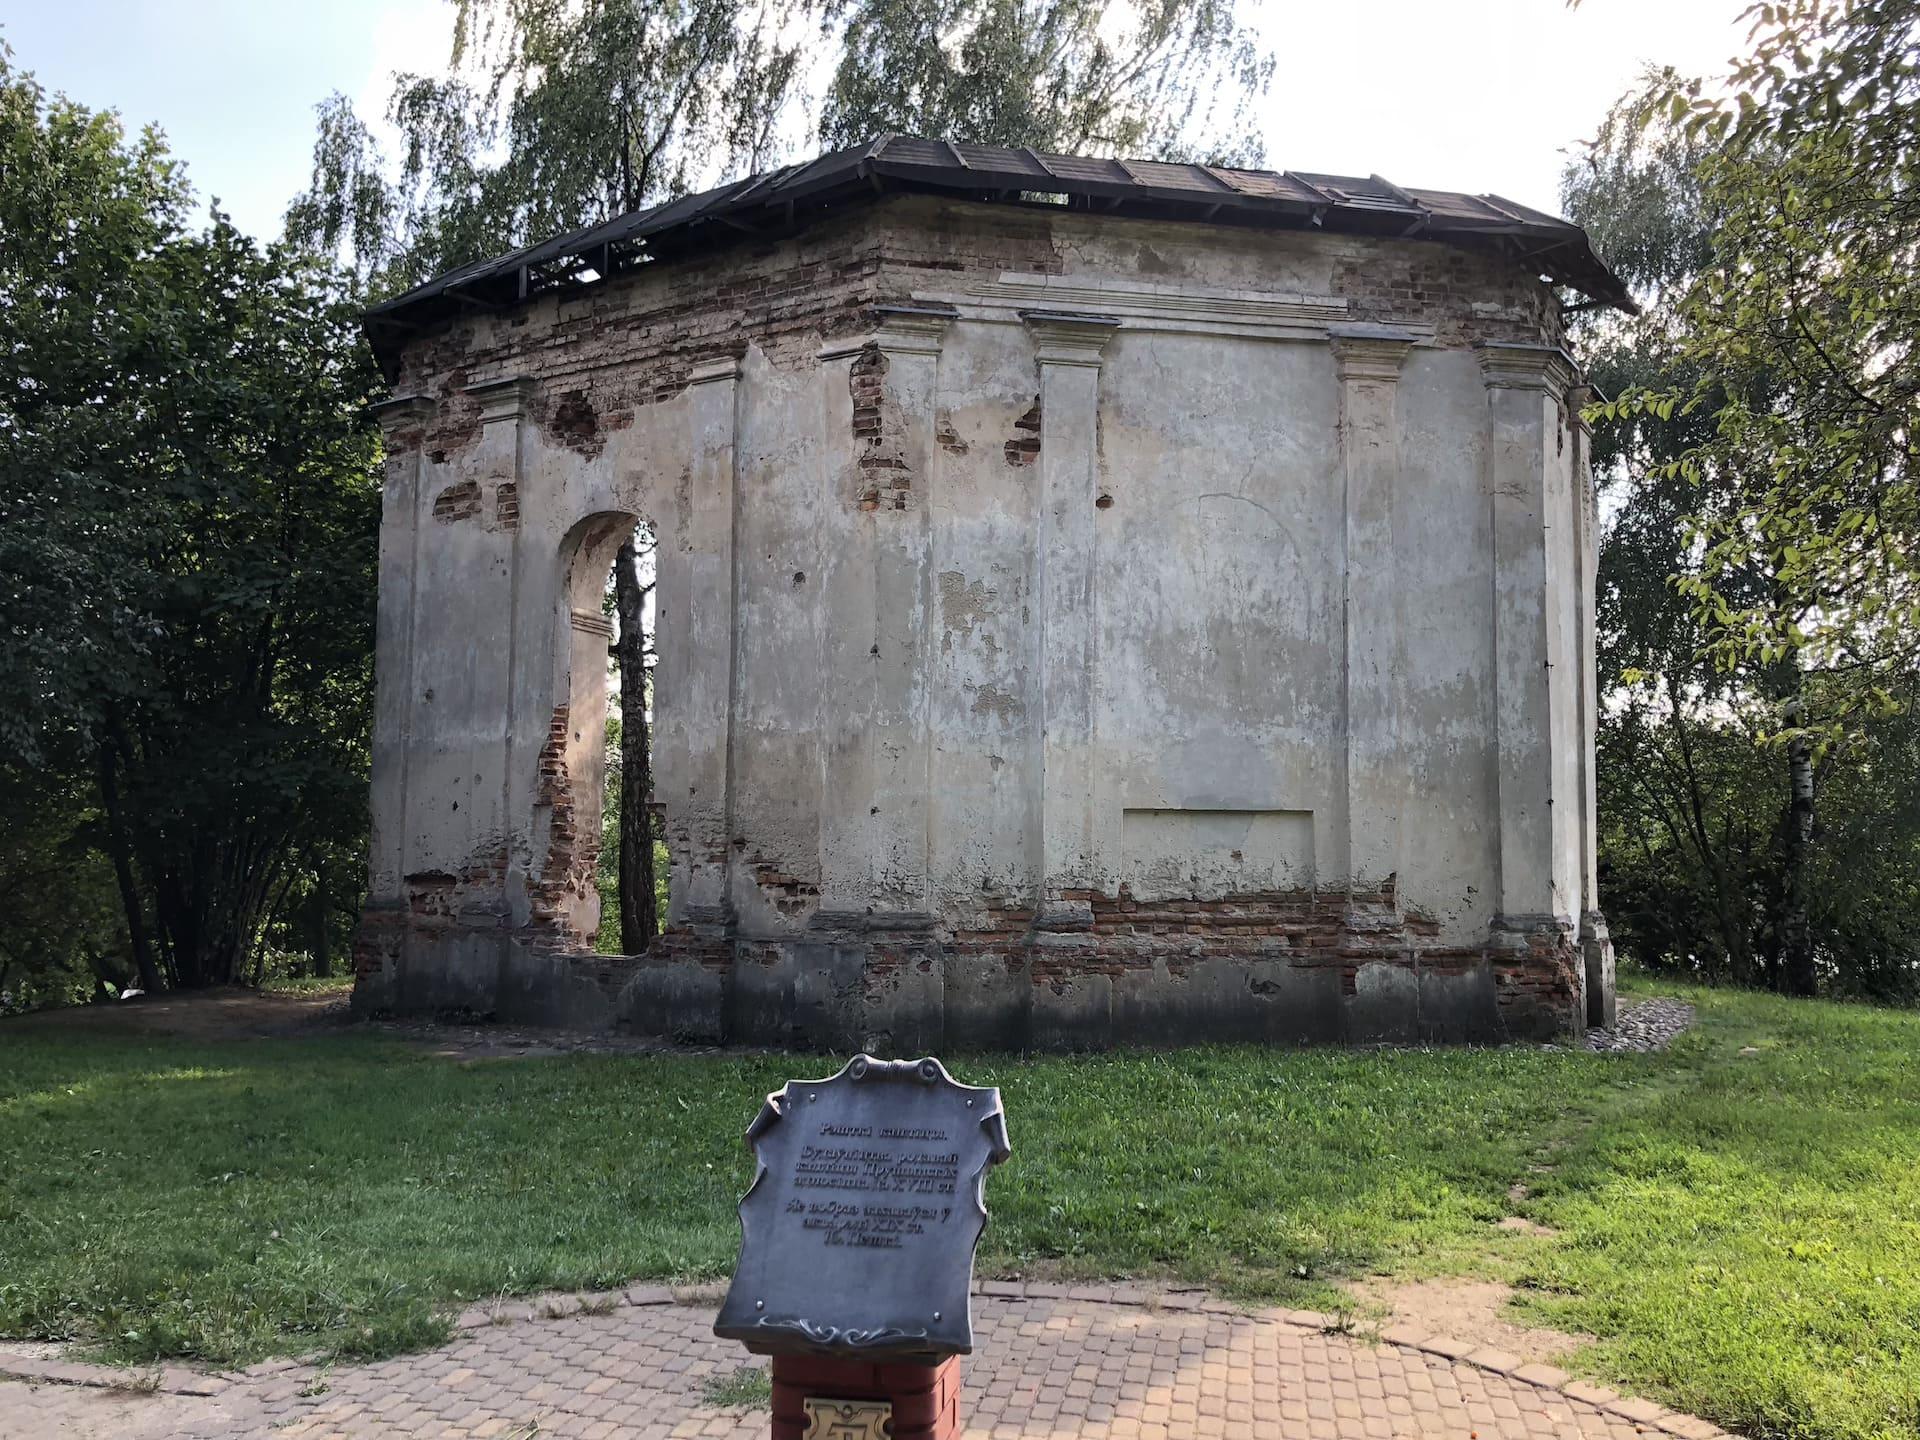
(858, 1232)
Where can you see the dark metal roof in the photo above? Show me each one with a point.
(785, 200)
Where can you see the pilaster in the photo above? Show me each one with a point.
(1368, 361)
(402, 423)
(709, 680)
(1596, 945)
(909, 340)
(1068, 349)
(1536, 687)
(485, 588)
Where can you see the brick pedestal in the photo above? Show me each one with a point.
(925, 1398)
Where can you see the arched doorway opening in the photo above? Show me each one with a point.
(605, 882)
(634, 866)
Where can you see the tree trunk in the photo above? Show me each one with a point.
(322, 957)
(1797, 975)
(123, 874)
(639, 917)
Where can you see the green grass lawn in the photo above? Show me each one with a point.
(308, 985)
(1741, 1230)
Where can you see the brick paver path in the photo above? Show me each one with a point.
(1047, 1365)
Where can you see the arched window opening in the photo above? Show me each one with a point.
(603, 883)
(634, 865)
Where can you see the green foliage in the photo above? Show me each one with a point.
(284, 983)
(61, 935)
(85, 332)
(1150, 78)
(1735, 1218)
(607, 941)
(556, 114)
(1803, 330)
(1706, 864)
(188, 510)
(607, 867)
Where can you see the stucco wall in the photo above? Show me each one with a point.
(1072, 631)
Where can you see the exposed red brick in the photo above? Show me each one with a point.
(789, 894)
(1305, 928)
(925, 1398)
(948, 438)
(1024, 447)
(573, 851)
(377, 941)
(459, 501)
(1464, 295)
(886, 482)
(575, 424)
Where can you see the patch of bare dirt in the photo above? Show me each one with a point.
(1520, 1225)
(31, 1350)
(240, 1014)
(232, 1013)
(458, 1039)
(1475, 1311)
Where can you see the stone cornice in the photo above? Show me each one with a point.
(901, 330)
(1370, 352)
(1510, 365)
(1143, 305)
(592, 623)
(911, 329)
(1063, 337)
(402, 410)
(502, 399)
(844, 348)
(708, 372)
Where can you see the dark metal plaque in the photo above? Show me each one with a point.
(857, 1234)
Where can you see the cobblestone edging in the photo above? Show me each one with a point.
(1643, 1027)
(174, 1380)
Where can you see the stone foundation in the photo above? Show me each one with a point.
(1274, 969)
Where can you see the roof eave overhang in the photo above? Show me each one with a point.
(787, 200)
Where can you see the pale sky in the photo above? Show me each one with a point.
(1475, 95)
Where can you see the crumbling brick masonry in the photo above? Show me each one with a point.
(1096, 605)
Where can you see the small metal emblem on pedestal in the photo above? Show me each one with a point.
(848, 1419)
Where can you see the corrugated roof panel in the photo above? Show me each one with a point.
(823, 172)
(1178, 177)
(911, 151)
(1448, 204)
(1267, 184)
(998, 159)
(1525, 212)
(1088, 168)
(1366, 192)
(688, 207)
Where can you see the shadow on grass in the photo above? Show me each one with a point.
(226, 1201)
(1739, 1221)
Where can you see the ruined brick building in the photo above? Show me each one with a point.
(1098, 603)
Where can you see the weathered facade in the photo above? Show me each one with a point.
(1084, 617)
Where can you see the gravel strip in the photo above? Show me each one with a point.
(1645, 1026)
